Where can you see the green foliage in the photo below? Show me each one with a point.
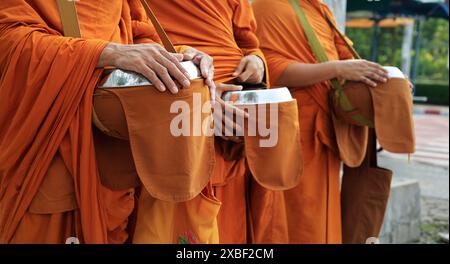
(436, 92)
(433, 58)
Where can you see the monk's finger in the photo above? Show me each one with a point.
(152, 77)
(223, 119)
(411, 85)
(206, 64)
(229, 110)
(368, 82)
(161, 51)
(226, 129)
(377, 66)
(384, 74)
(376, 77)
(380, 71)
(225, 105)
(176, 58)
(245, 76)
(218, 119)
(207, 71)
(255, 78)
(222, 87)
(210, 78)
(242, 65)
(225, 87)
(212, 90)
(174, 71)
(377, 73)
(164, 76)
(239, 113)
(232, 126)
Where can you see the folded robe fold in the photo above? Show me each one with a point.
(46, 101)
(46, 83)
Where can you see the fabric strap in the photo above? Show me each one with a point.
(340, 97)
(161, 32)
(69, 18)
(341, 36)
(71, 26)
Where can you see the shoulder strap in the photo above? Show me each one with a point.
(71, 26)
(69, 18)
(314, 42)
(161, 32)
(341, 35)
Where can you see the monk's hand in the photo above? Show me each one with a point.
(251, 70)
(150, 60)
(227, 114)
(411, 84)
(206, 65)
(364, 71)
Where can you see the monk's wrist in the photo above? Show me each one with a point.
(334, 69)
(109, 56)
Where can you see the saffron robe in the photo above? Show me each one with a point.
(224, 30)
(49, 185)
(313, 213)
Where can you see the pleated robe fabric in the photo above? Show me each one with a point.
(49, 185)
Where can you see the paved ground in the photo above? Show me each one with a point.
(429, 165)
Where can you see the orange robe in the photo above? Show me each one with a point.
(226, 31)
(313, 208)
(49, 185)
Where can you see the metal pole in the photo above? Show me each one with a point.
(408, 40)
(376, 29)
(416, 53)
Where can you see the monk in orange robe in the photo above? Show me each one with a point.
(313, 208)
(224, 30)
(49, 184)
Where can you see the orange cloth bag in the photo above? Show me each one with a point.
(271, 138)
(171, 168)
(279, 166)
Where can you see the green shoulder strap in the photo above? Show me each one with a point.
(321, 56)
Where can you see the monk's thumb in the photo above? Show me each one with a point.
(240, 68)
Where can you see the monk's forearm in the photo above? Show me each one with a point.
(303, 75)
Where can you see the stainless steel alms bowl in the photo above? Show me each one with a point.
(118, 78)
